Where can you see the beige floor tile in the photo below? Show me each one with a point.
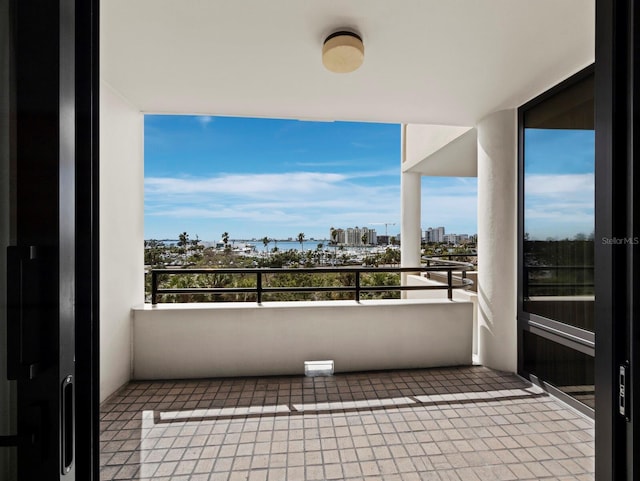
(442, 424)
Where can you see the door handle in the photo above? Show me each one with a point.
(23, 293)
(66, 425)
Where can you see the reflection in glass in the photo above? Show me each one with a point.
(567, 369)
(559, 181)
(8, 408)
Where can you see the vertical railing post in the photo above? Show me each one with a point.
(154, 287)
(259, 287)
(357, 286)
(450, 283)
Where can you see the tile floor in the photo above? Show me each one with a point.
(467, 423)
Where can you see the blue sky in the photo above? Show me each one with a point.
(559, 183)
(275, 178)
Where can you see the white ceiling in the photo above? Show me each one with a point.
(426, 61)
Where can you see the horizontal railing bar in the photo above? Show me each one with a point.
(308, 270)
(240, 290)
(208, 290)
(558, 267)
(446, 262)
(406, 288)
(450, 255)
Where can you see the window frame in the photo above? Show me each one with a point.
(564, 334)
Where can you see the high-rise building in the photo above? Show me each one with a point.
(427, 235)
(382, 240)
(373, 237)
(450, 238)
(352, 236)
(434, 234)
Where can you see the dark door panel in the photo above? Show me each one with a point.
(617, 258)
(52, 126)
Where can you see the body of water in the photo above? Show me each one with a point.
(282, 245)
(288, 245)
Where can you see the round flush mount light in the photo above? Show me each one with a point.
(342, 52)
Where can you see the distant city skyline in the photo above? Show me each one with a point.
(439, 234)
(268, 177)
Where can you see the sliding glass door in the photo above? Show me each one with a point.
(556, 258)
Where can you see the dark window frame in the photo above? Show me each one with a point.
(564, 334)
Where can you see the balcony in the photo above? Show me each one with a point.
(459, 423)
(456, 422)
(225, 339)
(406, 402)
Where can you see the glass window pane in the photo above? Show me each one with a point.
(567, 369)
(559, 185)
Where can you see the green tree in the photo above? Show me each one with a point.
(265, 242)
(153, 252)
(225, 240)
(364, 238)
(334, 241)
(308, 258)
(391, 256)
(183, 242)
(301, 240)
(393, 240)
(183, 239)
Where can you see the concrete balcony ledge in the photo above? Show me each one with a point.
(181, 341)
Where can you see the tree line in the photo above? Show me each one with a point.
(190, 253)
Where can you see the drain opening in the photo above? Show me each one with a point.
(318, 368)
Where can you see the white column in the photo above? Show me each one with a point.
(410, 229)
(410, 226)
(497, 240)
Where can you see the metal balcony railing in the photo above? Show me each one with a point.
(577, 278)
(357, 288)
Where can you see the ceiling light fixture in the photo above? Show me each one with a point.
(342, 52)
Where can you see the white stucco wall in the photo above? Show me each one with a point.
(425, 140)
(239, 339)
(121, 234)
(458, 295)
(497, 241)
(441, 150)
(410, 230)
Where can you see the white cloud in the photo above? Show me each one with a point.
(559, 206)
(266, 204)
(450, 202)
(260, 203)
(204, 120)
(565, 185)
(252, 185)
